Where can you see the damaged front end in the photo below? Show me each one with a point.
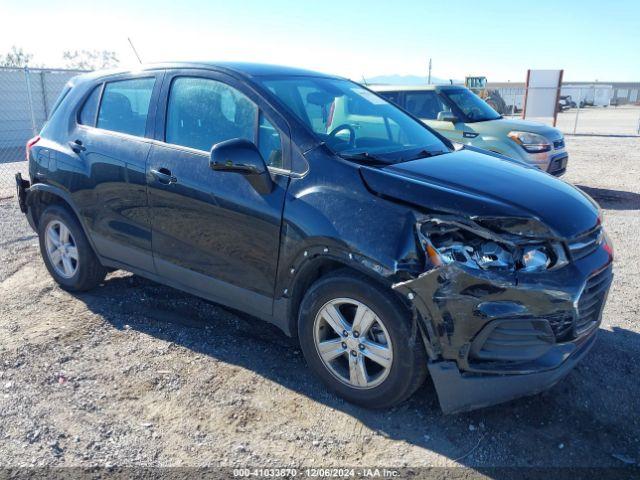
(507, 307)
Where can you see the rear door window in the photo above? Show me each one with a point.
(425, 104)
(125, 106)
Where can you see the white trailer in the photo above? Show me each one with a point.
(594, 94)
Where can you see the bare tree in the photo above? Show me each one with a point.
(17, 57)
(90, 59)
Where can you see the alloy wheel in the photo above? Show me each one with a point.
(62, 250)
(353, 343)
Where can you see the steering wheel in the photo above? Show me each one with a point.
(345, 126)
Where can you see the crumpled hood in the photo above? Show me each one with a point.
(474, 184)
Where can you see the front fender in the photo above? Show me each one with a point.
(337, 254)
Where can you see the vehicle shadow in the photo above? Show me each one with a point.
(582, 421)
(613, 199)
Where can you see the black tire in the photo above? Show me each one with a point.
(89, 272)
(408, 368)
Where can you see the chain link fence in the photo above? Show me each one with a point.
(27, 96)
(582, 109)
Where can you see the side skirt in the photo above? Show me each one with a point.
(210, 289)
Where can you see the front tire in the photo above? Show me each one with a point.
(66, 251)
(361, 341)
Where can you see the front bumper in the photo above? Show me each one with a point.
(558, 164)
(458, 391)
(495, 336)
(553, 162)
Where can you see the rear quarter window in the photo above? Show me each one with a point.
(61, 97)
(125, 106)
(90, 107)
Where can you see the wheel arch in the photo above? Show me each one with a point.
(41, 195)
(313, 268)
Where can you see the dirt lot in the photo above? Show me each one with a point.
(7, 175)
(138, 373)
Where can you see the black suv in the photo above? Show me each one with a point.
(311, 202)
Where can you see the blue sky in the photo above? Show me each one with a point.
(591, 40)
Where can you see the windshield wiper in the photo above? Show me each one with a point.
(364, 157)
(425, 154)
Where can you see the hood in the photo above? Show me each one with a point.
(507, 125)
(475, 184)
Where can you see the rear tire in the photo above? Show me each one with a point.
(66, 251)
(377, 367)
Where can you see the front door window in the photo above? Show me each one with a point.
(202, 112)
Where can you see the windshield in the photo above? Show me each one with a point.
(472, 106)
(354, 122)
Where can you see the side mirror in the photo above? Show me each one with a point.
(447, 117)
(242, 156)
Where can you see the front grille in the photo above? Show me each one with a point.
(586, 243)
(517, 339)
(592, 299)
(524, 339)
(561, 324)
(558, 144)
(558, 164)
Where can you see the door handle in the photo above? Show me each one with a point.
(77, 146)
(163, 175)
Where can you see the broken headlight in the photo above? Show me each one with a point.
(445, 244)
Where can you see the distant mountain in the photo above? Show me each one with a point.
(407, 80)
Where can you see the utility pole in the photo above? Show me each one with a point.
(429, 77)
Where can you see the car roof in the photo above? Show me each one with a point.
(411, 88)
(246, 69)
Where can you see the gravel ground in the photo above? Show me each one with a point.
(622, 120)
(135, 373)
(7, 176)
